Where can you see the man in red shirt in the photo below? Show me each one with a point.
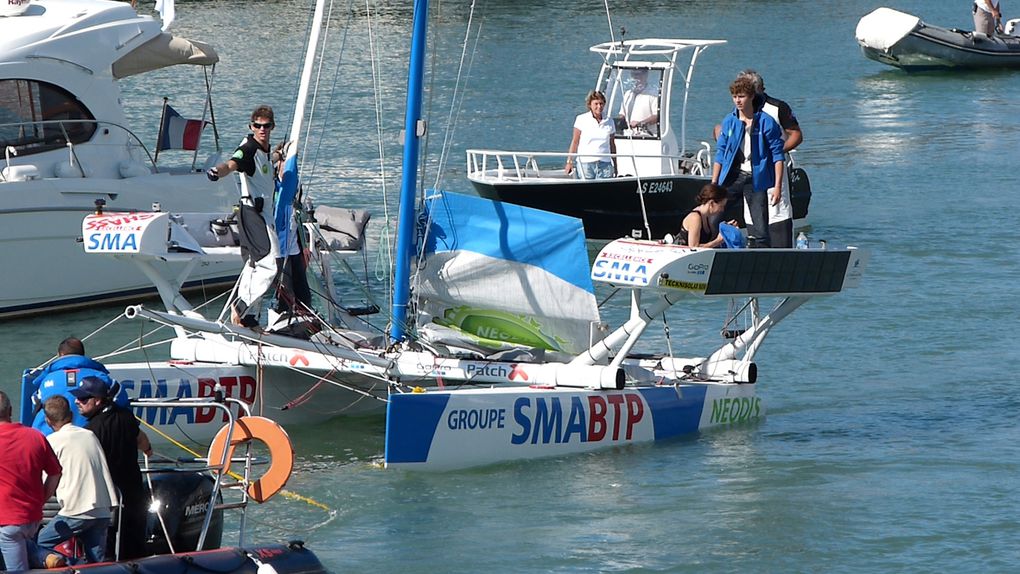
(23, 491)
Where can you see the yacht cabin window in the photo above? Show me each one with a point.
(38, 116)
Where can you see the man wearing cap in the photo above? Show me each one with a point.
(119, 435)
(26, 457)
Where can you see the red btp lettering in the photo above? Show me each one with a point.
(635, 412)
(597, 426)
(616, 401)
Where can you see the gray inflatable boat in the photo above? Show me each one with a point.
(904, 41)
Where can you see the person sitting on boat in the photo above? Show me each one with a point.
(85, 492)
(987, 17)
(62, 375)
(749, 159)
(260, 247)
(121, 438)
(640, 108)
(593, 141)
(700, 227)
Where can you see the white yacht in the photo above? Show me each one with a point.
(65, 143)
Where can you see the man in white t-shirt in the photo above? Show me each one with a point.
(640, 108)
(85, 492)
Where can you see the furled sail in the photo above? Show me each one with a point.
(500, 276)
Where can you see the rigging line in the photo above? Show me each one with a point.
(296, 84)
(129, 346)
(386, 246)
(455, 102)
(332, 91)
(234, 475)
(315, 95)
(609, 19)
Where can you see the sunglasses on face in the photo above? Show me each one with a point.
(259, 126)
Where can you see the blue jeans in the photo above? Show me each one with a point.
(14, 540)
(594, 169)
(91, 532)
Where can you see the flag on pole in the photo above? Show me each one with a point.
(177, 132)
(166, 12)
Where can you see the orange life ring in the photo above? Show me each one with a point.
(281, 453)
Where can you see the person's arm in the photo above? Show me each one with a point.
(692, 223)
(794, 137)
(50, 485)
(612, 150)
(774, 138)
(569, 167)
(222, 169)
(143, 443)
(777, 192)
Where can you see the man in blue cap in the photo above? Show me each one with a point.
(121, 438)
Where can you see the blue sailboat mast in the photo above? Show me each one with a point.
(409, 182)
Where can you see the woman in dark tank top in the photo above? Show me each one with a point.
(700, 227)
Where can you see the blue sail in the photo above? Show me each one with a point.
(286, 191)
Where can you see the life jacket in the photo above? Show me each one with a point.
(63, 375)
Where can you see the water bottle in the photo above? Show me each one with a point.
(802, 241)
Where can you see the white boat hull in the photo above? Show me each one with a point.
(290, 398)
(40, 223)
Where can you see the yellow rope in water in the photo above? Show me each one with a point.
(285, 493)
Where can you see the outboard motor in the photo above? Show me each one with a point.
(183, 499)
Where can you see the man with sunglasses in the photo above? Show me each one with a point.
(260, 246)
(121, 438)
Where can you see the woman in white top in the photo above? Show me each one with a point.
(593, 141)
(987, 16)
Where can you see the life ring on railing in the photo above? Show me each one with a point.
(281, 453)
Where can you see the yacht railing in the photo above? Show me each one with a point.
(18, 139)
(510, 166)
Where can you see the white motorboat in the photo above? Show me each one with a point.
(658, 176)
(65, 143)
(904, 41)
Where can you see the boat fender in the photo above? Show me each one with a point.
(281, 453)
(581, 376)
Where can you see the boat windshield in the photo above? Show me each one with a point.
(634, 95)
(38, 116)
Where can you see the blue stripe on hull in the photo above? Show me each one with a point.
(411, 423)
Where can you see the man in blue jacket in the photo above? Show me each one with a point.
(749, 160)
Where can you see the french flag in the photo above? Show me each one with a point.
(177, 132)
